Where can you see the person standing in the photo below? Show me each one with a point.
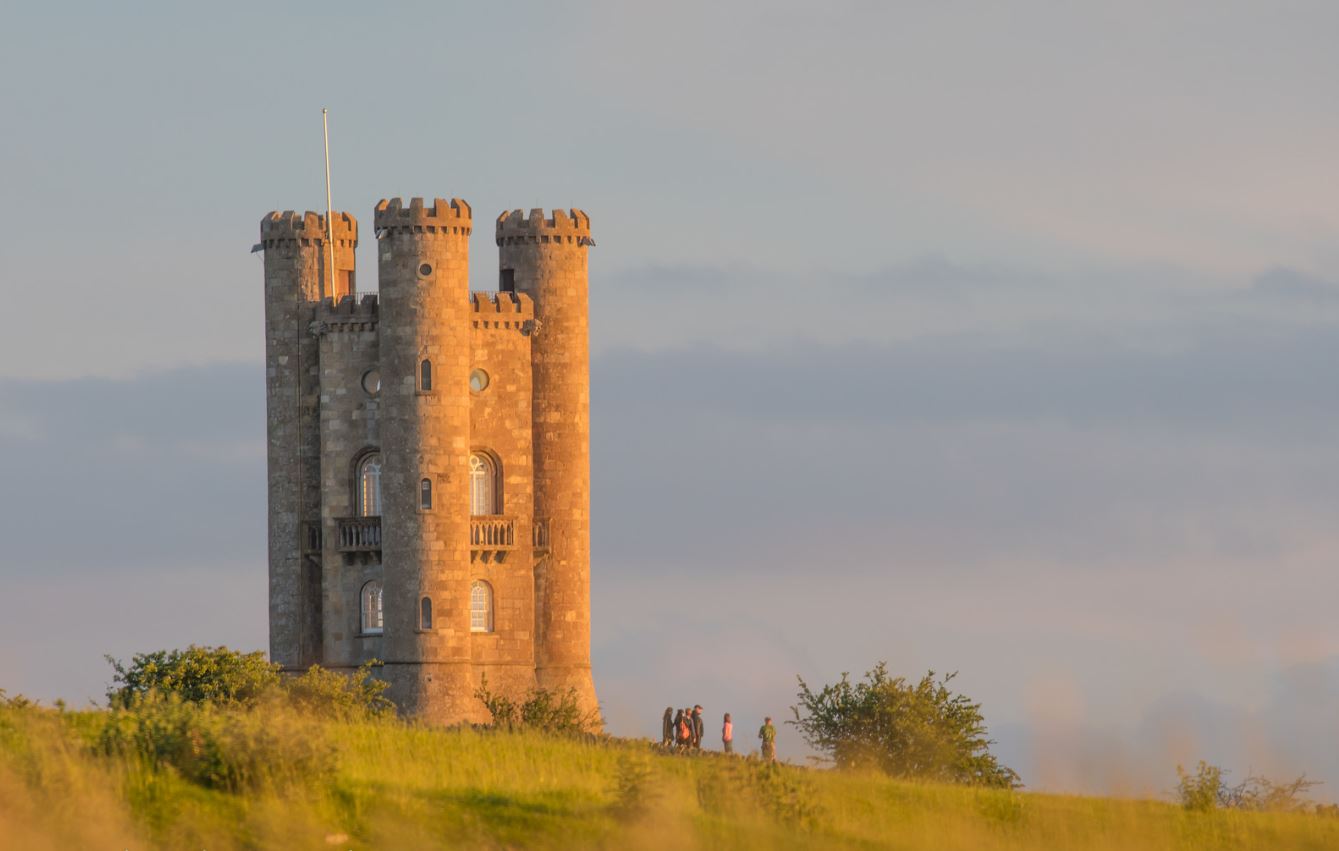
(699, 726)
(768, 735)
(728, 735)
(667, 727)
(678, 727)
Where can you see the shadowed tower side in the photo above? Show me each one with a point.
(546, 258)
(296, 279)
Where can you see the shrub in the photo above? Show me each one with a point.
(224, 677)
(218, 748)
(196, 674)
(1207, 790)
(921, 730)
(543, 710)
(343, 697)
(1199, 792)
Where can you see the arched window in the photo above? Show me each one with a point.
(369, 486)
(371, 622)
(425, 613)
(425, 494)
(481, 607)
(425, 375)
(483, 484)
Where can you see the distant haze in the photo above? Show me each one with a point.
(996, 340)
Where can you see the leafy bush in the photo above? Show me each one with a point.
(920, 730)
(544, 710)
(218, 748)
(1207, 790)
(1199, 792)
(224, 677)
(196, 674)
(342, 697)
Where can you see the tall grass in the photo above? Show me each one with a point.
(193, 778)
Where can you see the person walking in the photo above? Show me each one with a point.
(667, 727)
(768, 735)
(699, 726)
(728, 735)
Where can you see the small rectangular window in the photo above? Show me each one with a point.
(425, 494)
(507, 280)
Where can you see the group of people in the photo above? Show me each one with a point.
(683, 730)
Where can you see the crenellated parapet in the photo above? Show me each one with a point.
(307, 228)
(502, 311)
(565, 226)
(494, 304)
(351, 313)
(393, 216)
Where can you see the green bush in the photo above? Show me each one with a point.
(330, 694)
(921, 730)
(219, 748)
(224, 677)
(543, 710)
(196, 674)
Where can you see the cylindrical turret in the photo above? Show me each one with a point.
(423, 268)
(546, 259)
(295, 269)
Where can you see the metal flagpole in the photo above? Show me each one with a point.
(329, 219)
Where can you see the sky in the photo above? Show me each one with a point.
(987, 338)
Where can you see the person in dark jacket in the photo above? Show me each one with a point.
(667, 727)
(678, 727)
(699, 727)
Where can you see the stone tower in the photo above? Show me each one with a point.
(545, 257)
(429, 480)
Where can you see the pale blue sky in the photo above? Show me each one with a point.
(984, 337)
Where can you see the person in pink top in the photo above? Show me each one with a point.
(728, 734)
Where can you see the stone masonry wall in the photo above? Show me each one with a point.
(423, 269)
(349, 431)
(500, 329)
(296, 254)
(548, 258)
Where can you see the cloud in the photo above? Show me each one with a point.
(1291, 285)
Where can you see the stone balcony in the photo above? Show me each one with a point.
(359, 534)
(492, 536)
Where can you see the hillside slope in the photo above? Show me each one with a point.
(270, 779)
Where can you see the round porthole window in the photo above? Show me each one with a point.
(424, 270)
(478, 381)
(372, 382)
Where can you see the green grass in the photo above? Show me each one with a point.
(393, 786)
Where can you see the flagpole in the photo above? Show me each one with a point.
(329, 214)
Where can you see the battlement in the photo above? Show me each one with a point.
(392, 216)
(570, 226)
(290, 225)
(502, 305)
(350, 313)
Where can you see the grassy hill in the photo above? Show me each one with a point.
(273, 779)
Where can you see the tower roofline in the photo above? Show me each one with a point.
(394, 213)
(573, 222)
(293, 225)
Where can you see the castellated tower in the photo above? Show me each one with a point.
(296, 279)
(545, 257)
(429, 475)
